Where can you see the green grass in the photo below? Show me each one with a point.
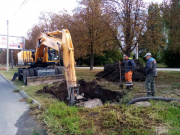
(29, 100)
(171, 115)
(161, 65)
(17, 90)
(86, 74)
(58, 114)
(8, 74)
(2, 66)
(35, 133)
(122, 119)
(60, 118)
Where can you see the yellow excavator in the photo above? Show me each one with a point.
(42, 62)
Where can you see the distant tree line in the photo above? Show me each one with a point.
(3, 54)
(102, 30)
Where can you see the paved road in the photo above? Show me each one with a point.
(89, 67)
(158, 69)
(168, 69)
(14, 115)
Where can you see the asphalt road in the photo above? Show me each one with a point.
(168, 69)
(158, 69)
(14, 115)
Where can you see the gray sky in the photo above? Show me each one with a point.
(28, 14)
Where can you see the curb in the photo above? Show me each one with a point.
(22, 93)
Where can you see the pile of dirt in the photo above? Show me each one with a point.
(91, 90)
(111, 72)
(58, 91)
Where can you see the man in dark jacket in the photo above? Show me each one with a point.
(129, 66)
(150, 73)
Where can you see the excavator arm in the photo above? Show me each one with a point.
(65, 46)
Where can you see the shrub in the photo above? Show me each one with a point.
(171, 58)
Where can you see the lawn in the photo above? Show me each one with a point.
(161, 65)
(110, 119)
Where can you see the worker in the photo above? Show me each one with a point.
(53, 54)
(150, 73)
(49, 53)
(129, 66)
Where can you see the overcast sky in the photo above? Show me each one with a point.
(23, 19)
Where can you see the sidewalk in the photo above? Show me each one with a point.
(14, 114)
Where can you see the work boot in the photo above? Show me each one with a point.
(149, 94)
(153, 94)
(129, 85)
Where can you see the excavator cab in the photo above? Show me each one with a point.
(53, 55)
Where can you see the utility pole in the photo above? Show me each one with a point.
(136, 51)
(7, 62)
(12, 60)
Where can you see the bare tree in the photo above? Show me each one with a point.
(33, 34)
(130, 21)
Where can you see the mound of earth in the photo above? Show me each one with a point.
(58, 91)
(111, 72)
(91, 90)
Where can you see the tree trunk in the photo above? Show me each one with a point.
(91, 61)
(128, 53)
(91, 58)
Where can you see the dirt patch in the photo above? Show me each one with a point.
(111, 72)
(161, 130)
(91, 90)
(22, 100)
(58, 91)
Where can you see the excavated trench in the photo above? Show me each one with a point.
(111, 72)
(91, 90)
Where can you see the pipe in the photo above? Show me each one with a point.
(153, 98)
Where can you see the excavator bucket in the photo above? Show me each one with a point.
(73, 95)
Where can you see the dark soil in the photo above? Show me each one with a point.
(111, 72)
(58, 91)
(91, 90)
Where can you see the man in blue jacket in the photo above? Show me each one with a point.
(150, 73)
